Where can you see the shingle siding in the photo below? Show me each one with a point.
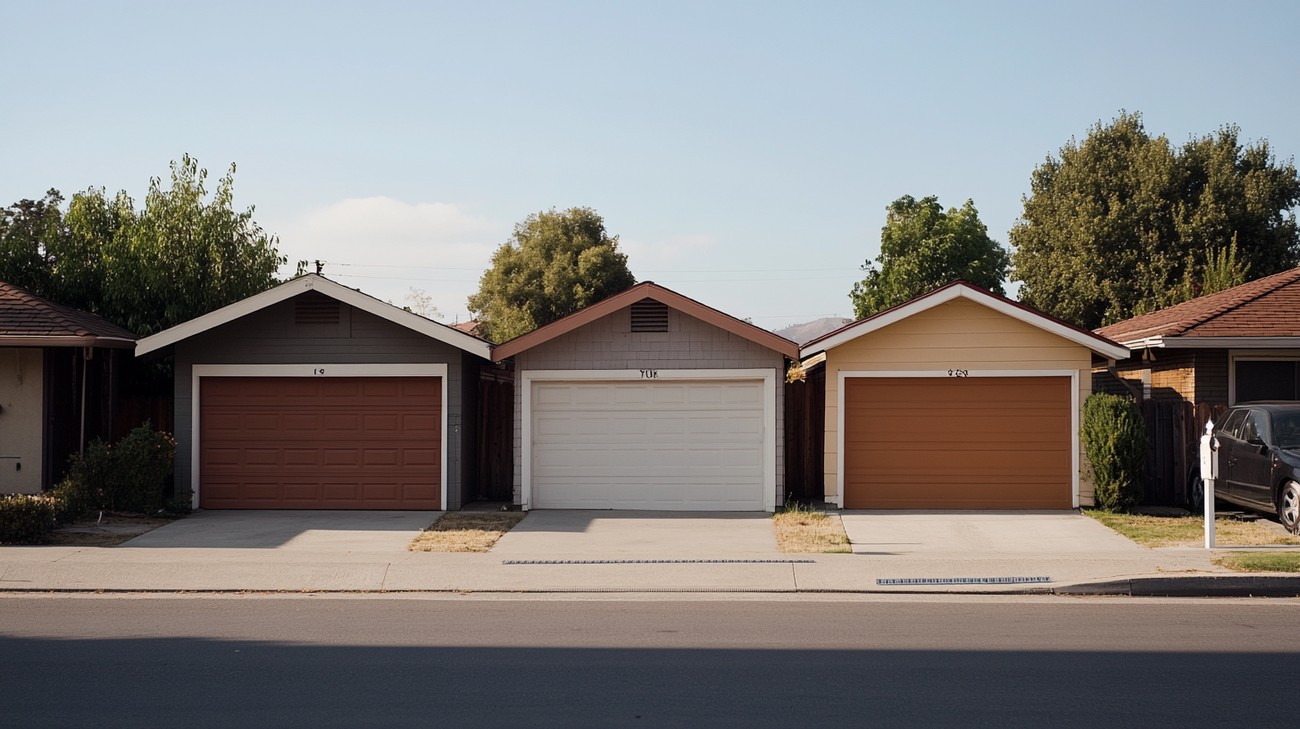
(270, 336)
(689, 343)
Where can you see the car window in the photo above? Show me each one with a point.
(1255, 427)
(1231, 424)
(1286, 429)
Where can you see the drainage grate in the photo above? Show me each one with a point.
(962, 580)
(656, 561)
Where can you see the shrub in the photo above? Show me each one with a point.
(1115, 441)
(129, 476)
(26, 519)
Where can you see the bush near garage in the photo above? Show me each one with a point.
(26, 518)
(130, 475)
(1115, 441)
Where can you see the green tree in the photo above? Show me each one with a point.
(554, 264)
(180, 257)
(1124, 223)
(922, 247)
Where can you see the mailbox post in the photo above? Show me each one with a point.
(1209, 473)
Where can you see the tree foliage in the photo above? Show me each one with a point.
(554, 264)
(1124, 223)
(922, 247)
(181, 256)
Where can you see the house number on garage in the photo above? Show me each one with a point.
(958, 373)
(649, 374)
(318, 371)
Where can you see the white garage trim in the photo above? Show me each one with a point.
(767, 376)
(1074, 412)
(311, 370)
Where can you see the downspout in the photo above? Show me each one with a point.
(1133, 390)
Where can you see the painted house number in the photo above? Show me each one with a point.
(958, 373)
(318, 371)
(649, 374)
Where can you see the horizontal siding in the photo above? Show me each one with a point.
(270, 336)
(689, 343)
(959, 334)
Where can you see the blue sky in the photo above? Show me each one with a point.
(744, 152)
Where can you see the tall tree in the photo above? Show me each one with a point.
(1124, 223)
(923, 247)
(554, 264)
(182, 256)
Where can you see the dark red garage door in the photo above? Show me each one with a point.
(320, 443)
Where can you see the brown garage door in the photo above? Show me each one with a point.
(320, 443)
(957, 443)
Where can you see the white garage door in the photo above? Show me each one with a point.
(671, 445)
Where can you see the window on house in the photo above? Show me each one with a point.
(1267, 380)
(649, 316)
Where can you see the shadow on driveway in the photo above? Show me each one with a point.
(360, 531)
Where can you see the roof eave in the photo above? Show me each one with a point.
(1164, 342)
(303, 284)
(56, 340)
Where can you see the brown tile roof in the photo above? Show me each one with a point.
(1266, 307)
(469, 327)
(27, 319)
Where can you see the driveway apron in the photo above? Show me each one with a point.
(625, 535)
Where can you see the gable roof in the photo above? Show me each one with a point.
(320, 284)
(27, 320)
(963, 290)
(646, 290)
(1266, 307)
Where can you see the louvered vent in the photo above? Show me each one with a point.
(649, 316)
(315, 309)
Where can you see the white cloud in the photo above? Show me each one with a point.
(385, 246)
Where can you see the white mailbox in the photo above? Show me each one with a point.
(1209, 473)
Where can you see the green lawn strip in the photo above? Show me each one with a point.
(1189, 531)
(1259, 561)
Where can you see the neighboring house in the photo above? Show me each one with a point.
(313, 395)
(958, 399)
(1192, 360)
(649, 400)
(1238, 345)
(58, 368)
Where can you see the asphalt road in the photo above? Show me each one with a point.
(459, 662)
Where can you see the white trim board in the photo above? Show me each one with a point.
(767, 376)
(1074, 413)
(1214, 343)
(199, 371)
(339, 292)
(1093, 342)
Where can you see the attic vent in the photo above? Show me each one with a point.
(317, 309)
(649, 315)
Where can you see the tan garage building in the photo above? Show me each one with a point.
(959, 399)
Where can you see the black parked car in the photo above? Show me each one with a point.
(1259, 460)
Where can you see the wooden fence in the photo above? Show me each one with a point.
(1172, 429)
(805, 437)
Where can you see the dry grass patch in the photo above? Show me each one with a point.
(1259, 561)
(802, 531)
(466, 531)
(1189, 531)
(110, 531)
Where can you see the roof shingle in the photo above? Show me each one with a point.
(24, 315)
(1266, 307)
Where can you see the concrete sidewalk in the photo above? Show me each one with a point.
(634, 553)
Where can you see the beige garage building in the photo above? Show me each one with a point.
(959, 399)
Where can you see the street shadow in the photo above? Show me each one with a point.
(223, 683)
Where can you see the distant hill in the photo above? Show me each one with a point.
(802, 333)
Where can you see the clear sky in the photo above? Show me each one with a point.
(743, 152)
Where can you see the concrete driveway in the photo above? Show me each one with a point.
(336, 531)
(602, 535)
(967, 535)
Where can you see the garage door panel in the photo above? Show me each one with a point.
(326, 444)
(648, 445)
(999, 442)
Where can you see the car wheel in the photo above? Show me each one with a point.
(1288, 506)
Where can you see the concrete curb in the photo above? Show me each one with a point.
(1191, 586)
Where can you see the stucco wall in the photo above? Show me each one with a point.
(22, 407)
(270, 336)
(959, 334)
(689, 343)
